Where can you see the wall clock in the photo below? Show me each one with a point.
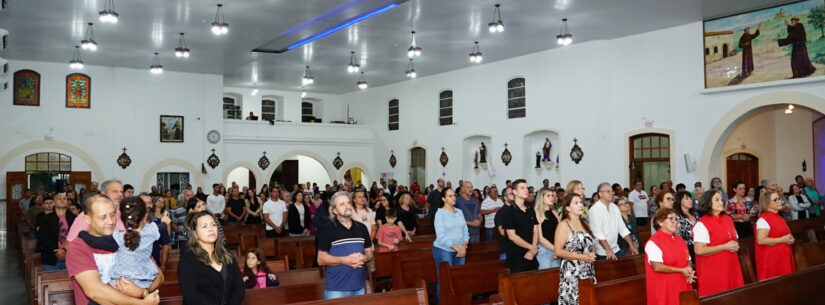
(213, 136)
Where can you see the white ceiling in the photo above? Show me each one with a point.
(47, 30)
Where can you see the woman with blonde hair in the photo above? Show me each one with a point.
(547, 218)
(774, 256)
(575, 187)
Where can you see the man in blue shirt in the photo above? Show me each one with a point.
(471, 208)
(343, 246)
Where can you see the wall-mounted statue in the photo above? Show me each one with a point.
(482, 153)
(545, 150)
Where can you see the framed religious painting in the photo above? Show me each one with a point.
(26, 88)
(78, 90)
(171, 128)
(769, 44)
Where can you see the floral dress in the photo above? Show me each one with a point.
(571, 271)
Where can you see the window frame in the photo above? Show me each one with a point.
(274, 112)
(510, 110)
(441, 108)
(397, 114)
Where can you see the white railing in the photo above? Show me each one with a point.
(242, 131)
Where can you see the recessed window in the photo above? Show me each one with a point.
(307, 112)
(268, 110)
(393, 115)
(230, 109)
(650, 158)
(445, 108)
(516, 98)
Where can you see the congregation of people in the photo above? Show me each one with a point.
(115, 242)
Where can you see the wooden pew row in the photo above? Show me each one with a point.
(170, 288)
(411, 296)
(809, 255)
(799, 288)
(808, 230)
(623, 291)
(460, 283)
(46, 278)
(58, 293)
(408, 269)
(288, 294)
(171, 274)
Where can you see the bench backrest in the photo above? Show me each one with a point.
(527, 288)
(410, 296)
(406, 272)
(459, 283)
(300, 276)
(608, 270)
(798, 288)
(809, 255)
(58, 292)
(624, 291)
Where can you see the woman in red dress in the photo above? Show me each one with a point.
(774, 256)
(668, 271)
(714, 241)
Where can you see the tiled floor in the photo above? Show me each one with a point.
(12, 282)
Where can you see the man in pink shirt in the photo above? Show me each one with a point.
(112, 189)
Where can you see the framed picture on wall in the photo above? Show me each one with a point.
(26, 88)
(776, 43)
(78, 90)
(171, 128)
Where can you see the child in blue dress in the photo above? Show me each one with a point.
(133, 258)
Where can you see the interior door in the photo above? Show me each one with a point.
(80, 180)
(742, 167)
(15, 186)
(290, 168)
(252, 183)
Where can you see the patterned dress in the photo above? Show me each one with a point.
(571, 271)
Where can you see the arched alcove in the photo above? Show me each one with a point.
(359, 169)
(244, 173)
(300, 167)
(483, 175)
(532, 144)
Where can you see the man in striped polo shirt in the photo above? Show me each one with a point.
(343, 246)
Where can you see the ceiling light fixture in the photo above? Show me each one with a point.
(307, 79)
(475, 56)
(414, 50)
(353, 67)
(254, 92)
(108, 14)
(220, 27)
(156, 67)
(496, 26)
(564, 38)
(89, 43)
(182, 50)
(76, 63)
(339, 27)
(362, 82)
(303, 92)
(411, 70)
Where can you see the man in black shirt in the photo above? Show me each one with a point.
(434, 199)
(507, 195)
(235, 208)
(519, 221)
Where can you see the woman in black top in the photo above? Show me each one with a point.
(207, 272)
(545, 214)
(298, 216)
(381, 211)
(406, 214)
(253, 208)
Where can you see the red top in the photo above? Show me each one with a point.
(719, 271)
(776, 260)
(664, 288)
(81, 257)
(386, 234)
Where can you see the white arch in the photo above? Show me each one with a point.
(254, 169)
(194, 171)
(97, 173)
(327, 166)
(363, 167)
(712, 150)
(669, 132)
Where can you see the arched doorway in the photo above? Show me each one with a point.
(357, 176)
(299, 169)
(650, 158)
(243, 177)
(418, 165)
(742, 167)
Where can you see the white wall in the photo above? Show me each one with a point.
(311, 170)
(596, 92)
(330, 106)
(126, 105)
(240, 176)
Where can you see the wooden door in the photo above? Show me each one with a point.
(252, 182)
(290, 168)
(80, 180)
(742, 167)
(15, 187)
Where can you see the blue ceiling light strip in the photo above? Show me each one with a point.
(341, 26)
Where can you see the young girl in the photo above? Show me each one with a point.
(133, 257)
(256, 274)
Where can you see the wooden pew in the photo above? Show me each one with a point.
(411, 296)
(58, 292)
(382, 276)
(748, 268)
(46, 278)
(808, 230)
(482, 255)
(799, 288)
(277, 265)
(809, 255)
(300, 276)
(460, 283)
(608, 270)
(280, 295)
(521, 288)
(268, 246)
(302, 249)
(624, 291)
(411, 268)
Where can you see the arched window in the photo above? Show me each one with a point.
(445, 108)
(650, 158)
(307, 111)
(49, 162)
(232, 106)
(516, 98)
(715, 49)
(393, 115)
(268, 109)
(707, 51)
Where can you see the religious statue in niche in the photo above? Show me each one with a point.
(538, 159)
(475, 160)
(545, 150)
(482, 153)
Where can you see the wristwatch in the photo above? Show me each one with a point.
(145, 293)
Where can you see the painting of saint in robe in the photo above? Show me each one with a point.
(171, 128)
(800, 62)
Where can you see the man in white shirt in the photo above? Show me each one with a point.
(607, 225)
(638, 198)
(274, 211)
(489, 207)
(215, 202)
